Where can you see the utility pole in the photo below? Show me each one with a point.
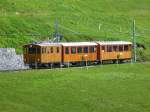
(56, 27)
(134, 41)
(56, 31)
(49, 31)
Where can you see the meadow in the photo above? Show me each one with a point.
(104, 88)
(78, 20)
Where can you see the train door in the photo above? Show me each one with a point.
(33, 54)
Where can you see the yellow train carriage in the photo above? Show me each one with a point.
(114, 50)
(42, 53)
(79, 52)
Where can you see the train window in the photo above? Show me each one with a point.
(57, 49)
(48, 50)
(32, 50)
(109, 48)
(126, 48)
(38, 50)
(120, 48)
(73, 50)
(92, 49)
(67, 50)
(79, 49)
(86, 49)
(103, 48)
(45, 50)
(115, 48)
(42, 50)
(51, 49)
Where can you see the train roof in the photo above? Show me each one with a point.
(82, 43)
(49, 44)
(114, 43)
(45, 44)
(79, 44)
(66, 44)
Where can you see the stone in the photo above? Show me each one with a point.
(9, 60)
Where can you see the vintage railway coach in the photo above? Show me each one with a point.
(79, 52)
(47, 53)
(42, 53)
(114, 50)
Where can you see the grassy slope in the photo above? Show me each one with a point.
(37, 16)
(115, 88)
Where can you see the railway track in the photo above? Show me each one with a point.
(56, 68)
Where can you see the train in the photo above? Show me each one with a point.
(47, 54)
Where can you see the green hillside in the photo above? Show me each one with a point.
(78, 20)
(107, 88)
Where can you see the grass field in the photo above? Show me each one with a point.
(22, 17)
(107, 88)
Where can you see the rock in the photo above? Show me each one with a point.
(9, 60)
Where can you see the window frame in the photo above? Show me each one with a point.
(73, 50)
(32, 50)
(79, 50)
(51, 50)
(43, 50)
(120, 49)
(126, 46)
(92, 49)
(103, 48)
(115, 48)
(38, 50)
(57, 49)
(86, 50)
(109, 48)
(67, 50)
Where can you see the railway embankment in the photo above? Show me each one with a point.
(9, 60)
